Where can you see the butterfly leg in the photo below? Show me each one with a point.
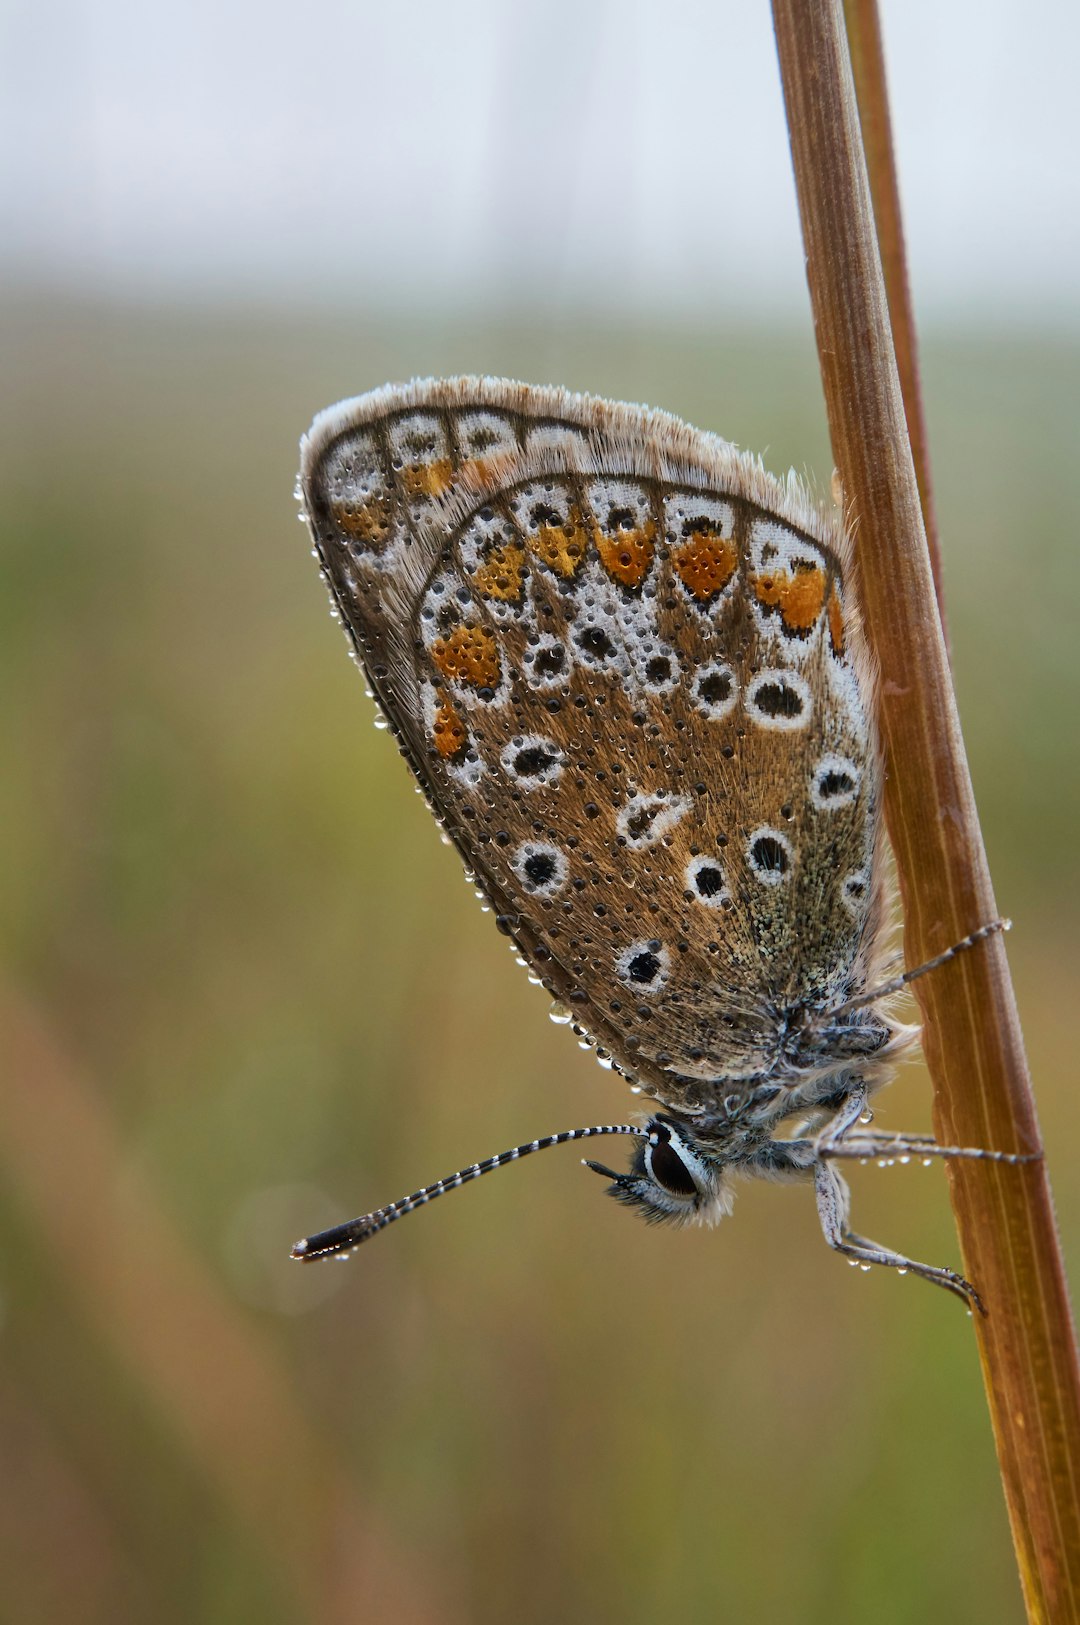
(848, 1114)
(833, 1201)
(891, 1146)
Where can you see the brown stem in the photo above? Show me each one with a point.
(971, 1031)
(872, 98)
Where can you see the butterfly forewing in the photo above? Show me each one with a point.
(620, 660)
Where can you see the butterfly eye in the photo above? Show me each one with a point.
(664, 1165)
(670, 1181)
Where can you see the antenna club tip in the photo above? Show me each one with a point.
(300, 1250)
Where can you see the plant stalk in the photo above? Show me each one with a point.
(872, 98)
(971, 1031)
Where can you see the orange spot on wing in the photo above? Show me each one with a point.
(799, 598)
(427, 479)
(627, 554)
(705, 564)
(451, 734)
(368, 524)
(560, 547)
(836, 623)
(485, 470)
(469, 655)
(501, 574)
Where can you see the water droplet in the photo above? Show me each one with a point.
(927, 1161)
(901, 1272)
(560, 1015)
(865, 1268)
(905, 1159)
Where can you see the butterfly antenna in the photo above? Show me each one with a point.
(899, 982)
(344, 1237)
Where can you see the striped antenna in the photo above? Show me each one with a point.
(344, 1237)
(899, 982)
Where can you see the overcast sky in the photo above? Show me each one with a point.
(564, 152)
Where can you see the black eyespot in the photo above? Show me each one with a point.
(778, 699)
(596, 643)
(643, 968)
(542, 514)
(542, 869)
(853, 890)
(715, 687)
(550, 661)
(534, 760)
(835, 783)
(621, 519)
(645, 820)
(658, 669)
(639, 822)
(705, 880)
(700, 525)
(769, 856)
(709, 881)
(669, 1170)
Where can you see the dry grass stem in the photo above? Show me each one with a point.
(872, 98)
(971, 1031)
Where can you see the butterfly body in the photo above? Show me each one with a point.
(626, 667)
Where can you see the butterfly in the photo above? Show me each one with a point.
(626, 667)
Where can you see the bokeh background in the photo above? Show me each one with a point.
(245, 991)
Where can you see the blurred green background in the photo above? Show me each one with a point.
(244, 991)
(247, 993)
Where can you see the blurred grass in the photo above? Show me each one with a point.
(247, 992)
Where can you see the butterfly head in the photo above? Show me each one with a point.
(673, 1177)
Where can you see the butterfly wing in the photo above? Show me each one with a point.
(619, 660)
